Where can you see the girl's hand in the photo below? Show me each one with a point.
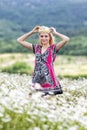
(52, 30)
(35, 29)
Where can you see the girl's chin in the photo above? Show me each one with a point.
(44, 43)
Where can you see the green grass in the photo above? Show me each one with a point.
(65, 65)
(25, 121)
(18, 67)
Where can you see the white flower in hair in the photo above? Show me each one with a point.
(44, 29)
(52, 29)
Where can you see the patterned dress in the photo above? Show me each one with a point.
(44, 70)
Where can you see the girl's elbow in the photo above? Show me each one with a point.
(19, 40)
(67, 39)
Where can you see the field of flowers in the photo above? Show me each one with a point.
(19, 111)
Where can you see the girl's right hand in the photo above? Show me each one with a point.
(36, 29)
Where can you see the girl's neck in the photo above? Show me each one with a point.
(46, 46)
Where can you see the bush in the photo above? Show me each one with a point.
(19, 67)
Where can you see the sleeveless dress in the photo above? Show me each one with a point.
(44, 70)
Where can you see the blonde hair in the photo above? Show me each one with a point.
(47, 30)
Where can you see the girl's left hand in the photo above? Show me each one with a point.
(52, 30)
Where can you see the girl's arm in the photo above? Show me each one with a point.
(22, 38)
(64, 38)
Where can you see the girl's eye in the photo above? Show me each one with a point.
(43, 36)
(46, 36)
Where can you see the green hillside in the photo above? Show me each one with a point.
(18, 17)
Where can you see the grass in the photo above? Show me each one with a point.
(18, 67)
(71, 66)
(65, 66)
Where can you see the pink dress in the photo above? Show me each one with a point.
(44, 70)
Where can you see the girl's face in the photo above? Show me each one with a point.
(44, 38)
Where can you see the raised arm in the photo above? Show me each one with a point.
(64, 38)
(22, 39)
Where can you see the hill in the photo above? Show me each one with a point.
(18, 17)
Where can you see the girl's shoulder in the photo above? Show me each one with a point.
(53, 46)
(36, 47)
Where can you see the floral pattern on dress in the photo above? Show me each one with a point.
(44, 70)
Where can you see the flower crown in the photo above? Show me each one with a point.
(44, 29)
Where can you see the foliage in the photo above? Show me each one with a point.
(18, 67)
(68, 17)
(76, 46)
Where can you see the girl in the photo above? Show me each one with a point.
(45, 54)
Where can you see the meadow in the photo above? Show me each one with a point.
(21, 111)
(65, 65)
